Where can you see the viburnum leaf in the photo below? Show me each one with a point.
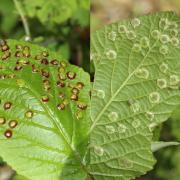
(136, 88)
(44, 116)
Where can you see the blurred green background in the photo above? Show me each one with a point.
(61, 25)
(108, 11)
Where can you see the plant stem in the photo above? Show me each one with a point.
(24, 20)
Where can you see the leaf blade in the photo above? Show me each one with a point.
(46, 138)
(127, 93)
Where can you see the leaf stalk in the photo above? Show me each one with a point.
(24, 20)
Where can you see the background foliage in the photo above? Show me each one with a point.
(64, 30)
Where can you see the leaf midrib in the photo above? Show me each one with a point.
(55, 120)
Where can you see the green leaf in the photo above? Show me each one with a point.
(44, 116)
(136, 88)
(155, 146)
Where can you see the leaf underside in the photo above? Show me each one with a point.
(136, 88)
(43, 112)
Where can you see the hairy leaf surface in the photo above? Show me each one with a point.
(136, 88)
(43, 112)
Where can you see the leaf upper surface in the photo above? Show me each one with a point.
(44, 104)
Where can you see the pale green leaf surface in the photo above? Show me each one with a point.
(51, 143)
(123, 111)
